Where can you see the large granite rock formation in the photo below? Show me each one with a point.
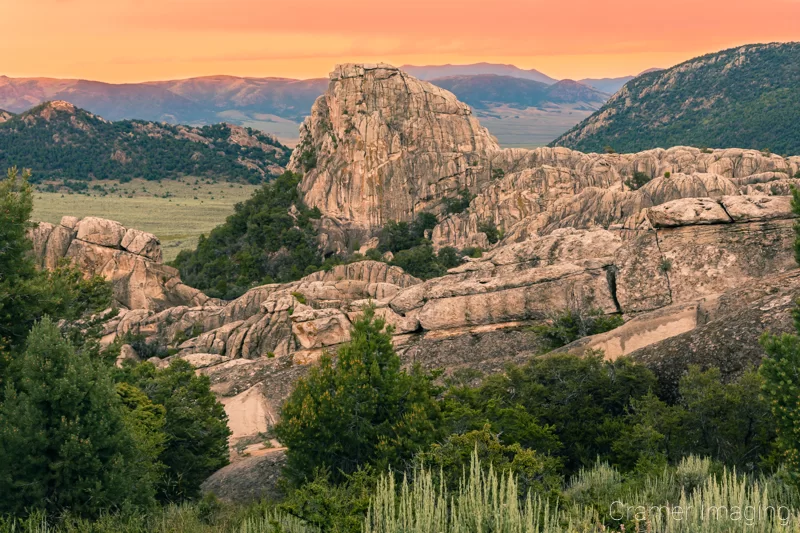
(381, 145)
(697, 258)
(682, 253)
(129, 258)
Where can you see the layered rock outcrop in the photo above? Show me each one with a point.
(550, 188)
(129, 258)
(669, 239)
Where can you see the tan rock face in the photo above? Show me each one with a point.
(686, 212)
(130, 259)
(108, 233)
(388, 146)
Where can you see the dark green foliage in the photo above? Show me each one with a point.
(572, 324)
(729, 422)
(581, 400)
(397, 236)
(80, 146)
(637, 181)
(745, 97)
(362, 409)
(781, 387)
(449, 257)
(308, 158)
(796, 211)
(535, 471)
(260, 243)
(420, 261)
(453, 206)
(27, 294)
(195, 425)
(145, 420)
(490, 230)
(781, 374)
(333, 507)
(64, 440)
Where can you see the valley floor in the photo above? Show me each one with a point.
(177, 212)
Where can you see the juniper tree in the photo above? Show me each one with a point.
(360, 409)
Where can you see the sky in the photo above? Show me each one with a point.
(138, 40)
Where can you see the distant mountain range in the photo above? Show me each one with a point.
(59, 141)
(484, 91)
(278, 105)
(432, 72)
(747, 97)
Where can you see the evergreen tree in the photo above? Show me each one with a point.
(364, 409)
(781, 372)
(64, 442)
(195, 426)
(27, 294)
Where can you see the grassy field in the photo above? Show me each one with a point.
(531, 127)
(177, 212)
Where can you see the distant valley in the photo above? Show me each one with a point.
(522, 107)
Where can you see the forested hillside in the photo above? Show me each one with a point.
(748, 97)
(60, 141)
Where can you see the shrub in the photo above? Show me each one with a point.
(490, 230)
(419, 261)
(195, 425)
(667, 174)
(571, 324)
(450, 459)
(364, 409)
(453, 206)
(638, 180)
(308, 159)
(449, 257)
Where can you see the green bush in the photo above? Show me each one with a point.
(569, 325)
(638, 180)
(260, 243)
(490, 230)
(454, 206)
(195, 425)
(362, 410)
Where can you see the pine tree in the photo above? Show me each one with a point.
(195, 426)
(781, 372)
(364, 409)
(64, 442)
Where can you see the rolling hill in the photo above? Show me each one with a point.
(60, 141)
(747, 97)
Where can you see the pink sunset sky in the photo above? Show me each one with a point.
(137, 40)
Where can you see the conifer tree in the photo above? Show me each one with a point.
(64, 442)
(361, 409)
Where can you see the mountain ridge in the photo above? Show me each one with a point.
(745, 96)
(59, 140)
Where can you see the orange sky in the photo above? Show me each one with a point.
(137, 40)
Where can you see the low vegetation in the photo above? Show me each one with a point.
(261, 242)
(176, 211)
